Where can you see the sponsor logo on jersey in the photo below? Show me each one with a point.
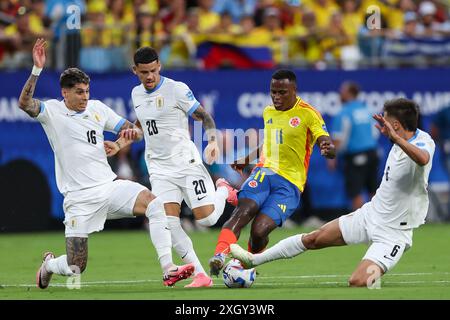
(294, 122)
(159, 102)
(282, 207)
(269, 121)
(253, 184)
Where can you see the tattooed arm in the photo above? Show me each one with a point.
(128, 133)
(211, 152)
(77, 253)
(26, 101)
(208, 122)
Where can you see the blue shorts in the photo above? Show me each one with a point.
(276, 197)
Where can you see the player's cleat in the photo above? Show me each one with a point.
(178, 273)
(43, 276)
(245, 257)
(200, 280)
(232, 192)
(216, 264)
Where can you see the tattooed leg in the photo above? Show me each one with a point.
(77, 253)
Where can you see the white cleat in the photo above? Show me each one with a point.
(43, 276)
(245, 257)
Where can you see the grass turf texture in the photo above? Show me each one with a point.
(123, 265)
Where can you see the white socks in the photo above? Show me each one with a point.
(160, 233)
(219, 206)
(285, 249)
(59, 266)
(183, 244)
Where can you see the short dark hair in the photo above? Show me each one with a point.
(284, 74)
(352, 87)
(405, 111)
(145, 55)
(73, 76)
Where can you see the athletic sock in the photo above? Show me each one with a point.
(285, 249)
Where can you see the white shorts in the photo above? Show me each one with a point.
(87, 210)
(196, 187)
(387, 244)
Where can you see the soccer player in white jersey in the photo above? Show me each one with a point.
(176, 170)
(387, 221)
(74, 127)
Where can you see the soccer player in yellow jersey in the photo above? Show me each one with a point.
(272, 192)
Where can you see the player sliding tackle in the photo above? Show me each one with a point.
(272, 192)
(74, 127)
(387, 222)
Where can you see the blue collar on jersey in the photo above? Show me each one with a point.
(161, 80)
(414, 136)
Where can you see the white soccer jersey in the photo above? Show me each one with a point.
(164, 115)
(401, 201)
(77, 142)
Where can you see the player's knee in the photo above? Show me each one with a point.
(312, 240)
(208, 221)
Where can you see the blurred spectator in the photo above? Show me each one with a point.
(271, 33)
(149, 30)
(429, 26)
(304, 40)
(65, 16)
(335, 38)
(236, 8)
(323, 10)
(20, 37)
(208, 19)
(355, 139)
(185, 38)
(371, 40)
(351, 19)
(409, 29)
(171, 13)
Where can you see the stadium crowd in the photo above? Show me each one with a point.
(100, 35)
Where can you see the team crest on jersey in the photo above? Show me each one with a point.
(159, 101)
(97, 117)
(253, 184)
(294, 122)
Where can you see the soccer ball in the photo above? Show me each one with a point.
(235, 276)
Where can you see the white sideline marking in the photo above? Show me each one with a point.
(124, 282)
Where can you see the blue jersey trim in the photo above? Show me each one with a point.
(161, 81)
(414, 136)
(41, 107)
(119, 125)
(193, 108)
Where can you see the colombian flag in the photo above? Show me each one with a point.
(223, 55)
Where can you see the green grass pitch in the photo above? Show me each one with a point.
(123, 265)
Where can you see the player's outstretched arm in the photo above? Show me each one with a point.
(327, 148)
(26, 101)
(419, 156)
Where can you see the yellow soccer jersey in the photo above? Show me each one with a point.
(289, 137)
